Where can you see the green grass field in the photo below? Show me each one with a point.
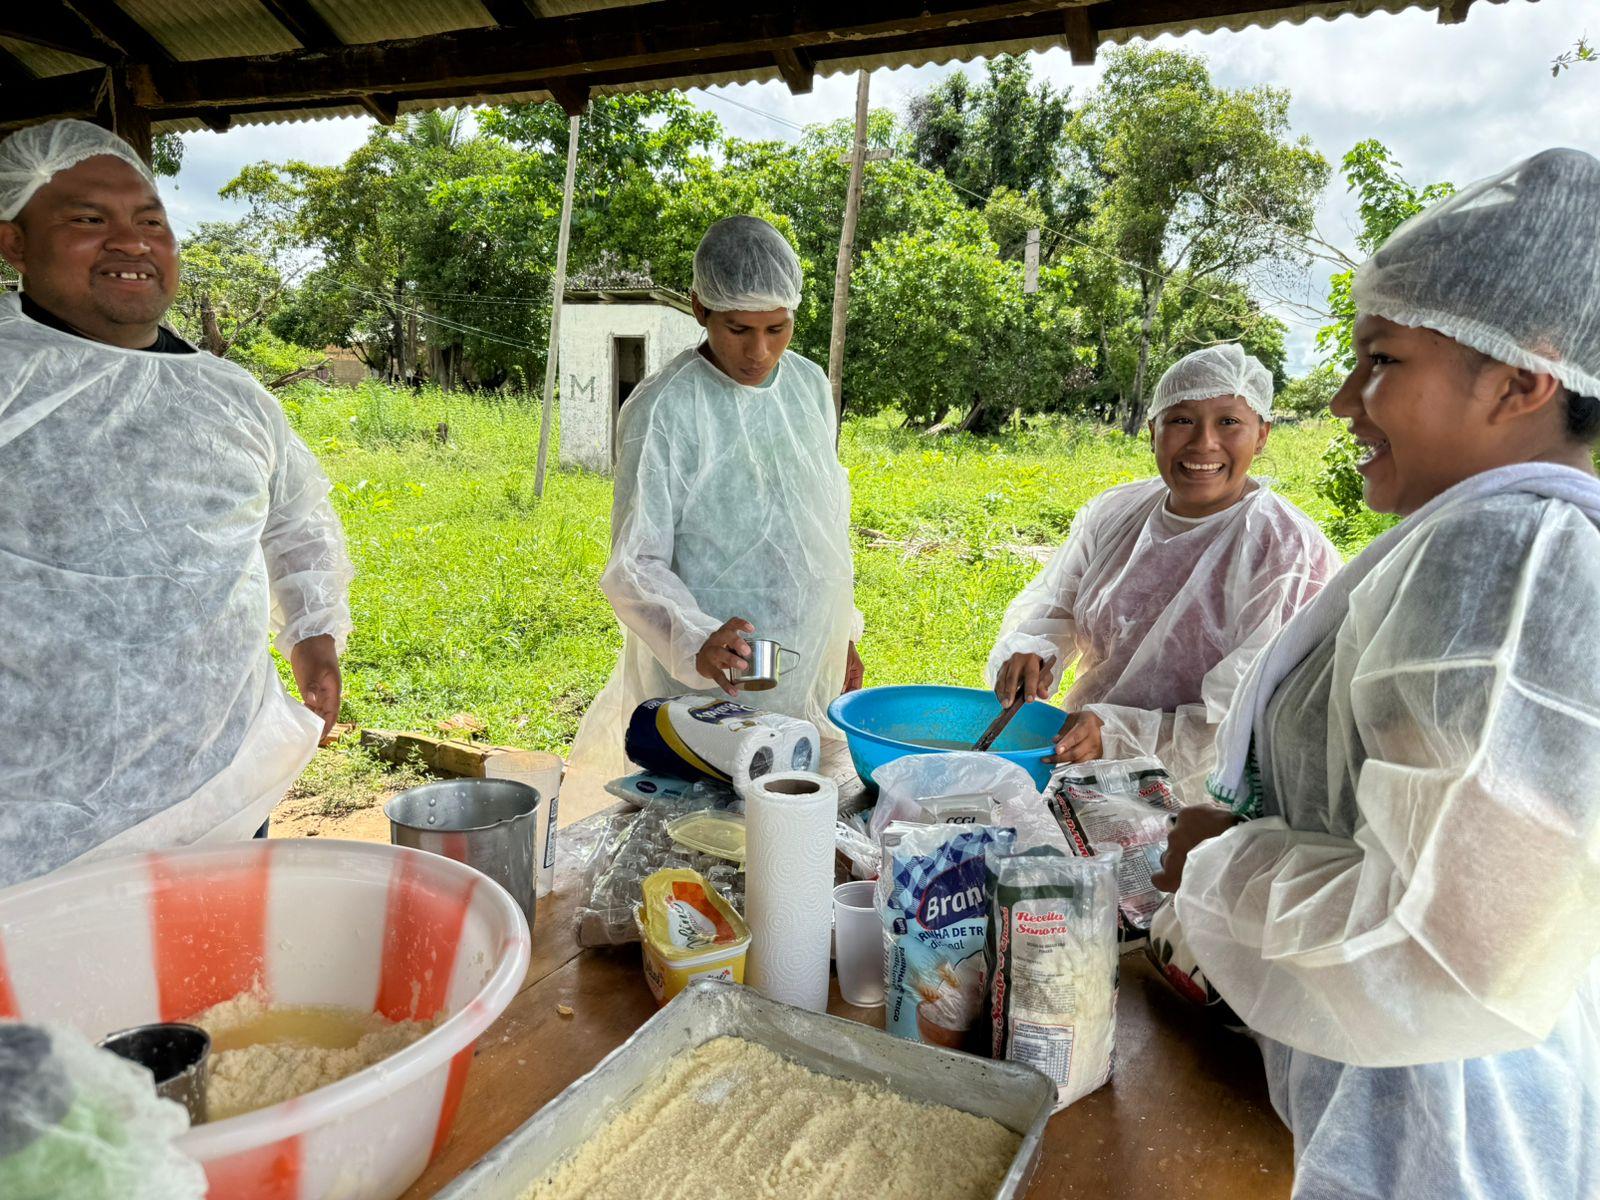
(471, 596)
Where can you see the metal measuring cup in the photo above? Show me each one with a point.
(766, 665)
(176, 1054)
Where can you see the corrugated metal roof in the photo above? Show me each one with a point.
(192, 30)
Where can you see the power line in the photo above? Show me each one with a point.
(486, 335)
(1169, 280)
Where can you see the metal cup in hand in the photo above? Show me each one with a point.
(766, 665)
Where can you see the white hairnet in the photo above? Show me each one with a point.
(1212, 371)
(723, 509)
(743, 264)
(32, 157)
(1509, 266)
(1163, 615)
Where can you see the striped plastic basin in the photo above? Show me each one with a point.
(162, 937)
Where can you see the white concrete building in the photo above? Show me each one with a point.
(610, 340)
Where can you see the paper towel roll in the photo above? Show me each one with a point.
(789, 819)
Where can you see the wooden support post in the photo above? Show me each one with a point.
(572, 95)
(122, 116)
(1082, 38)
(847, 245)
(558, 290)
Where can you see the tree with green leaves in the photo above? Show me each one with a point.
(939, 323)
(1385, 198)
(1002, 133)
(1190, 181)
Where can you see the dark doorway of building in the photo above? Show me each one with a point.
(627, 369)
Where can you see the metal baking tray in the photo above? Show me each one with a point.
(1015, 1095)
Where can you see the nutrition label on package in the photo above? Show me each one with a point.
(1047, 1047)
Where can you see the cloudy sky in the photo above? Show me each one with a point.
(1451, 102)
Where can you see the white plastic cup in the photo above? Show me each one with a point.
(858, 944)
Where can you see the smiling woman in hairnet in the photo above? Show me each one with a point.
(731, 514)
(1411, 924)
(1167, 588)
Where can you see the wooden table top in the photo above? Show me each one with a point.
(1185, 1114)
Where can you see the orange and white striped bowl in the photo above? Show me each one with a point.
(162, 937)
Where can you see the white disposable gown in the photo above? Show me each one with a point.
(730, 502)
(156, 514)
(1412, 926)
(1163, 615)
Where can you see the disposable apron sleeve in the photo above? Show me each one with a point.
(1458, 919)
(648, 596)
(308, 565)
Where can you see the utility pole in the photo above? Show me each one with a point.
(558, 289)
(847, 242)
(1030, 263)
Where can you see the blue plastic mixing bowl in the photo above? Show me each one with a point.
(882, 724)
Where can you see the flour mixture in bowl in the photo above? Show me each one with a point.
(731, 1120)
(263, 1054)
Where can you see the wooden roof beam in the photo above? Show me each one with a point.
(13, 69)
(217, 121)
(55, 28)
(572, 95)
(797, 68)
(1453, 12)
(304, 23)
(113, 25)
(383, 109)
(591, 46)
(510, 13)
(74, 95)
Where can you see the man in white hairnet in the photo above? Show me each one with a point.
(731, 515)
(1168, 588)
(1404, 902)
(156, 514)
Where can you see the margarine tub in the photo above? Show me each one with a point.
(689, 932)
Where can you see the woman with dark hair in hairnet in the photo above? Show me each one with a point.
(1409, 923)
(732, 514)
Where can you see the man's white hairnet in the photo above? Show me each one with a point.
(1213, 371)
(32, 157)
(743, 264)
(1509, 266)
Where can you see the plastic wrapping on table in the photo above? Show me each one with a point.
(635, 845)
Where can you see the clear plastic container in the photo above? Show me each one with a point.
(717, 833)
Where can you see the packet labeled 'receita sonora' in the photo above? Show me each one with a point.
(1051, 958)
(935, 915)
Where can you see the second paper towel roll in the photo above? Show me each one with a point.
(789, 819)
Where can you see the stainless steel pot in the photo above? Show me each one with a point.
(488, 824)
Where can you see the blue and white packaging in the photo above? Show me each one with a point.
(933, 903)
(704, 737)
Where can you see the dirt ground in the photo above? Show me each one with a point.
(343, 791)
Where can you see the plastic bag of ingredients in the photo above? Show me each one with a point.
(1127, 803)
(952, 787)
(635, 845)
(958, 780)
(78, 1121)
(1051, 958)
(644, 790)
(930, 898)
